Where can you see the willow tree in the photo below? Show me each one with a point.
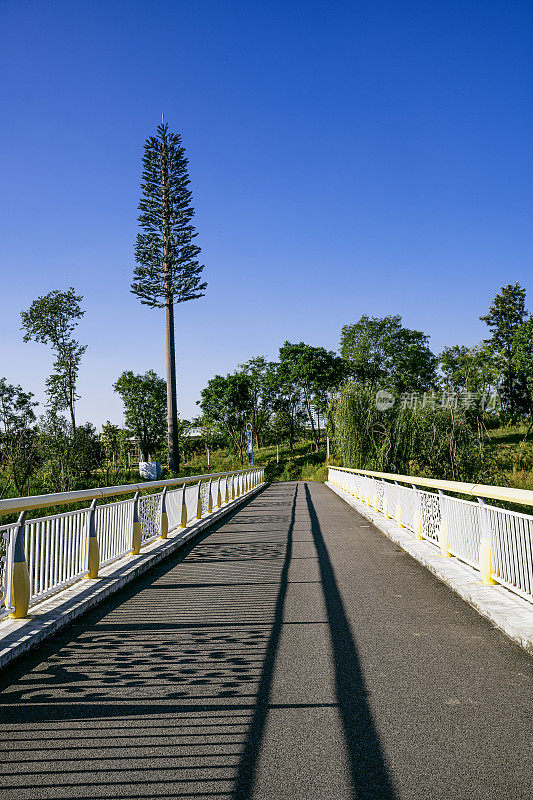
(167, 270)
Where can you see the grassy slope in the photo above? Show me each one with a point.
(514, 456)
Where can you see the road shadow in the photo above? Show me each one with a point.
(247, 769)
(369, 774)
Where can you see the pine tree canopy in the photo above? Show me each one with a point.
(167, 267)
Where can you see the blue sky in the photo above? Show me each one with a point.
(346, 158)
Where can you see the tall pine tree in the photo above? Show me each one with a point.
(167, 270)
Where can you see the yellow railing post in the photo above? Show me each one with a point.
(233, 487)
(183, 518)
(93, 555)
(20, 581)
(219, 496)
(164, 517)
(226, 491)
(398, 511)
(199, 502)
(136, 533)
(210, 497)
(485, 547)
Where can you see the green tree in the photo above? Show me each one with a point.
(52, 319)
(384, 354)
(18, 436)
(86, 450)
(467, 369)
(145, 405)
(116, 447)
(523, 362)
(168, 270)
(226, 404)
(55, 444)
(316, 372)
(260, 394)
(505, 316)
(286, 399)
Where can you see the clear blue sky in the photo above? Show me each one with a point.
(345, 158)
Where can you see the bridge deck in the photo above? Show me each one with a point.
(292, 652)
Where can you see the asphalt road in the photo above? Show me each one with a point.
(293, 652)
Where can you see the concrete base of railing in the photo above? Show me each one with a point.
(508, 612)
(17, 636)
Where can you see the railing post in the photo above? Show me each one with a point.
(219, 496)
(485, 546)
(20, 582)
(93, 556)
(233, 487)
(417, 519)
(199, 502)
(226, 491)
(164, 517)
(398, 514)
(376, 499)
(210, 497)
(385, 501)
(443, 529)
(183, 520)
(136, 538)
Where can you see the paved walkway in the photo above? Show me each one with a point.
(291, 653)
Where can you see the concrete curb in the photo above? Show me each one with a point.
(507, 611)
(17, 636)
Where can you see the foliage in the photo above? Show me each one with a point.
(261, 395)
(423, 441)
(226, 404)
(288, 417)
(167, 267)
(314, 373)
(505, 316)
(467, 369)
(69, 456)
(18, 436)
(145, 406)
(384, 354)
(523, 360)
(52, 319)
(115, 442)
(86, 451)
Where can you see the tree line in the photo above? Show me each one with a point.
(283, 399)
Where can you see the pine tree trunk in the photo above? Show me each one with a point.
(172, 406)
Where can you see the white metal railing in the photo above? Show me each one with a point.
(496, 541)
(47, 554)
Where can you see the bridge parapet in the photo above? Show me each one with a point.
(498, 542)
(41, 556)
